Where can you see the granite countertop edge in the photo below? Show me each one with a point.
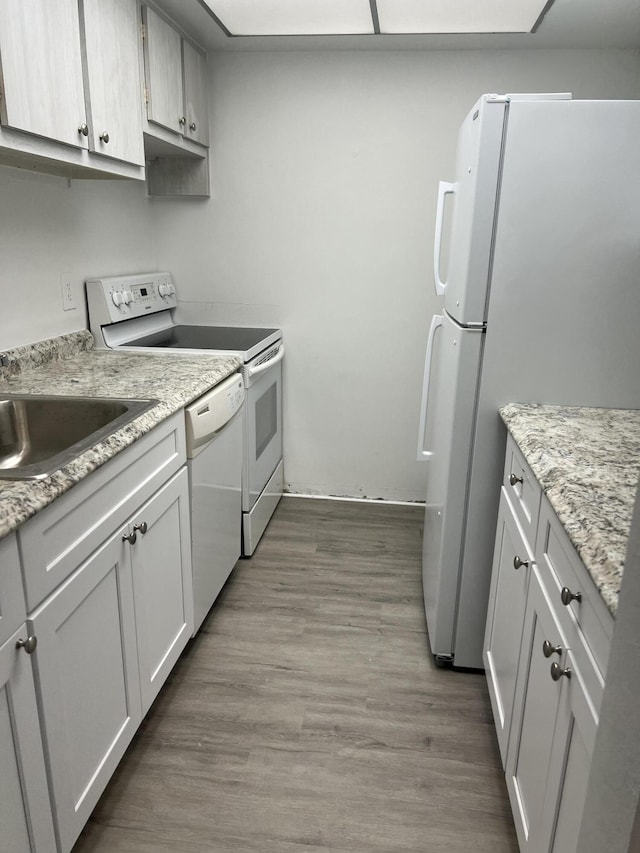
(587, 462)
(69, 366)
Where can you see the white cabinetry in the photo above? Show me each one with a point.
(70, 74)
(176, 95)
(176, 83)
(546, 650)
(107, 571)
(113, 79)
(25, 811)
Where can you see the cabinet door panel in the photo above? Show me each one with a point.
(42, 81)
(194, 66)
(12, 604)
(162, 584)
(163, 55)
(505, 618)
(113, 76)
(534, 717)
(87, 673)
(25, 813)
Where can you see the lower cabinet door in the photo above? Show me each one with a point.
(25, 810)
(162, 583)
(535, 709)
(87, 675)
(512, 561)
(571, 753)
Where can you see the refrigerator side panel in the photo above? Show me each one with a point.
(452, 401)
(474, 199)
(565, 298)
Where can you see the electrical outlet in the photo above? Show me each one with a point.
(68, 297)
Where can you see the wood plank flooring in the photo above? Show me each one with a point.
(308, 716)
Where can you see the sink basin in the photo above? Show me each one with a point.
(40, 434)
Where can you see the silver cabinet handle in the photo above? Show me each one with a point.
(549, 649)
(514, 479)
(182, 121)
(192, 126)
(104, 136)
(557, 672)
(566, 596)
(142, 527)
(83, 129)
(130, 537)
(518, 563)
(29, 645)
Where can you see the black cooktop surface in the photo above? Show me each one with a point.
(204, 337)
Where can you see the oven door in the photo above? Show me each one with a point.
(263, 426)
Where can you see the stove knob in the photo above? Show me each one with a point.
(163, 289)
(117, 297)
(127, 295)
(172, 289)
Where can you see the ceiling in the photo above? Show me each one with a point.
(567, 24)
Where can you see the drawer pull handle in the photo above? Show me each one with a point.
(142, 527)
(549, 649)
(518, 563)
(130, 537)
(29, 645)
(514, 479)
(557, 672)
(566, 596)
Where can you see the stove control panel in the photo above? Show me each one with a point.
(116, 298)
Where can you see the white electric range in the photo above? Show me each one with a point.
(138, 312)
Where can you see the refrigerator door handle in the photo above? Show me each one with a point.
(436, 321)
(444, 189)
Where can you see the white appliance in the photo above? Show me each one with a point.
(541, 304)
(214, 462)
(140, 313)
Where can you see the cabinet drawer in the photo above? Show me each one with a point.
(58, 539)
(12, 605)
(523, 490)
(587, 624)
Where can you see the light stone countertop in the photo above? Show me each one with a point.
(70, 366)
(587, 462)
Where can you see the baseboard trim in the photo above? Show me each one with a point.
(377, 501)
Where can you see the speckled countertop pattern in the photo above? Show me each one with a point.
(69, 366)
(587, 462)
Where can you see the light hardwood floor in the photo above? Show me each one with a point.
(308, 715)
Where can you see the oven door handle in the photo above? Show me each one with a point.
(260, 368)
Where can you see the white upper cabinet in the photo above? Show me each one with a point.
(113, 74)
(42, 86)
(194, 66)
(175, 80)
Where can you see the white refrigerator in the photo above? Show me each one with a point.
(541, 304)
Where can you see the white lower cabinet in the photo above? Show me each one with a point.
(545, 655)
(107, 640)
(25, 810)
(88, 681)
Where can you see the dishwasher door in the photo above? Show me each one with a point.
(214, 460)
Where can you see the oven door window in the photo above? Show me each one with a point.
(266, 415)
(263, 412)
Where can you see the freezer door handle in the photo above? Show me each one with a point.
(436, 321)
(444, 189)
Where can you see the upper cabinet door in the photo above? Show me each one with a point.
(195, 94)
(42, 87)
(163, 67)
(114, 93)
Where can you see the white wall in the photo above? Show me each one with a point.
(324, 172)
(49, 226)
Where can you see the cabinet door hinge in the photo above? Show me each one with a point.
(143, 31)
(146, 95)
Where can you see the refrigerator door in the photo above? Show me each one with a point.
(455, 369)
(474, 194)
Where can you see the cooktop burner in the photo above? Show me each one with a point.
(204, 338)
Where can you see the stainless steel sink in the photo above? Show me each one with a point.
(39, 434)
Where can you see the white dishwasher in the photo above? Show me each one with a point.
(214, 460)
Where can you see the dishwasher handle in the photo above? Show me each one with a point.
(261, 368)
